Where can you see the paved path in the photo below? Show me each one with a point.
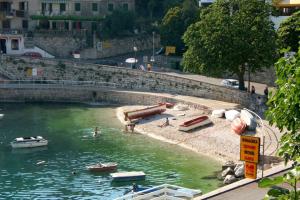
(245, 189)
(259, 87)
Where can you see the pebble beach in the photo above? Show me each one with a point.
(215, 140)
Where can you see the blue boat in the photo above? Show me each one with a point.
(128, 176)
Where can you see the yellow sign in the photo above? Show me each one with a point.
(250, 170)
(170, 49)
(249, 149)
(29, 72)
(106, 45)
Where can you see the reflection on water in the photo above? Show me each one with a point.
(47, 172)
(28, 150)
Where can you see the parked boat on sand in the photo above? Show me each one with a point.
(194, 123)
(146, 112)
(103, 167)
(28, 142)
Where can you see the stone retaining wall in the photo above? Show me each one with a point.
(90, 96)
(128, 79)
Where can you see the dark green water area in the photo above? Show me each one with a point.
(69, 129)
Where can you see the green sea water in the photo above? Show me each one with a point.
(69, 129)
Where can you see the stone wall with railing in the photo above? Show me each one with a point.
(128, 79)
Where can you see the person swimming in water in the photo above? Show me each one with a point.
(96, 132)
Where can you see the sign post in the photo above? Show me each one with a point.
(249, 152)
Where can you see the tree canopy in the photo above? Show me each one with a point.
(154, 8)
(289, 32)
(119, 23)
(231, 35)
(284, 105)
(284, 112)
(175, 23)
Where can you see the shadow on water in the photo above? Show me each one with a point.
(28, 150)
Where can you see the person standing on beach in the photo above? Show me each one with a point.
(266, 91)
(252, 89)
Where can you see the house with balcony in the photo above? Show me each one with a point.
(20, 18)
(76, 14)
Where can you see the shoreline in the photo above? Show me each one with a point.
(216, 141)
(149, 127)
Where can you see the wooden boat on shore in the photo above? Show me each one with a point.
(168, 105)
(146, 112)
(128, 176)
(194, 123)
(102, 167)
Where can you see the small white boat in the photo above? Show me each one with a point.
(28, 142)
(128, 176)
(194, 123)
(1, 116)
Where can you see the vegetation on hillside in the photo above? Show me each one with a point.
(289, 32)
(175, 23)
(231, 36)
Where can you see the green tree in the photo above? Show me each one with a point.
(175, 23)
(284, 112)
(231, 35)
(118, 23)
(284, 106)
(289, 32)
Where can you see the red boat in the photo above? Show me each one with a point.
(238, 126)
(168, 105)
(146, 112)
(194, 123)
(103, 167)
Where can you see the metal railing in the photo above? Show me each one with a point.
(163, 192)
(35, 84)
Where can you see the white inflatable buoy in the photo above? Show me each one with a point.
(232, 115)
(218, 113)
(249, 119)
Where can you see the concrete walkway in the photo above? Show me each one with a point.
(246, 189)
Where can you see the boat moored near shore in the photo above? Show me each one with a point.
(102, 167)
(28, 142)
(128, 176)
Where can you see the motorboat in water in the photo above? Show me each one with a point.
(1, 116)
(194, 123)
(28, 142)
(102, 167)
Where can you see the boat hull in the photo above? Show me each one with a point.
(146, 112)
(105, 167)
(128, 176)
(238, 126)
(194, 123)
(29, 144)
